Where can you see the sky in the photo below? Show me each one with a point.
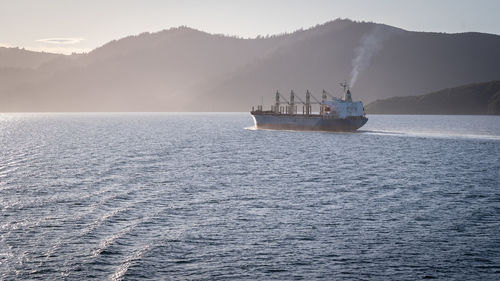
(66, 26)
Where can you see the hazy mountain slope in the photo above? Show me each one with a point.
(478, 98)
(153, 75)
(409, 63)
(20, 58)
(319, 61)
(413, 63)
(184, 69)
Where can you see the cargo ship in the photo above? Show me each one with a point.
(335, 114)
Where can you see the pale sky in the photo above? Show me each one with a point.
(68, 25)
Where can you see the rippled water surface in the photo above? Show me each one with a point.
(204, 196)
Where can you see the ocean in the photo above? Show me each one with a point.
(197, 196)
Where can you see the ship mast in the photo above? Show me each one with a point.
(292, 103)
(308, 103)
(277, 104)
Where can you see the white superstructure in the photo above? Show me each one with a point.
(342, 108)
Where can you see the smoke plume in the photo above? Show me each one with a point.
(370, 44)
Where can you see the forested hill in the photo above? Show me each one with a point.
(182, 69)
(477, 99)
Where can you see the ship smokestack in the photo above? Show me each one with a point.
(348, 95)
(347, 92)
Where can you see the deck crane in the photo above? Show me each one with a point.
(328, 94)
(291, 106)
(307, 109)
(317, 101)
(277, 108)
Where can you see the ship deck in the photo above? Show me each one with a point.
(299, 115)
(269, 112)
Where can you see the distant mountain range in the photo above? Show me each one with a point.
(477, 98)
(182, 69)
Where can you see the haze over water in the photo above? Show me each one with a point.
(198, 196)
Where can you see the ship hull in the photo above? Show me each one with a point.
(307, 123)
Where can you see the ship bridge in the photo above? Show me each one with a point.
(342, 109)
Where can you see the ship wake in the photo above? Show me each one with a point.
(440, 135)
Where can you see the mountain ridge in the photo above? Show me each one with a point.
(184, 69)
(470, 99)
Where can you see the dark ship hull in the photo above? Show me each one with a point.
(265, 120)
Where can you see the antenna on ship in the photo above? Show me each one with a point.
(344, 85)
